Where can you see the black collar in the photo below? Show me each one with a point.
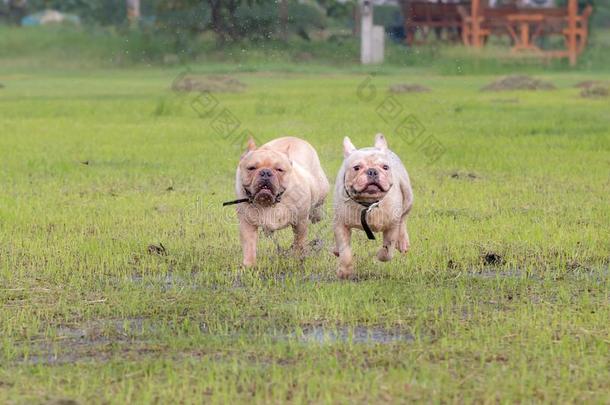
(250, 199)
(367, 208)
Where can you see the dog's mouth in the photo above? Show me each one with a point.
(372, 188)
(265, 193)
(371, 192)
(264, 188)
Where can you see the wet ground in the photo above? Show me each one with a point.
(102, 339)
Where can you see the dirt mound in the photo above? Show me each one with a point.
(596, 91)
(587, 84)
(157, 250)
(303, 57)
(408, 88)
(213, 84)
(492, 258)
(463, 175)
(518, 82)
(505, 101)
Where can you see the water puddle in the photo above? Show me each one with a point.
(100, 331)
(165, 282)
(100, 340)
(355, 335)
(94, 341)
(487, 274)
(597, 274)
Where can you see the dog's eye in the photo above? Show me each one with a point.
(357, 167)
(250, 168)
(386, 167)
(279, 169)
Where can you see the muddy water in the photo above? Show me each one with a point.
(355, 335)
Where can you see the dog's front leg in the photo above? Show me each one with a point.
(248, 235)
(343, 237)
(390, 237)
(300, 237)
(403, 236)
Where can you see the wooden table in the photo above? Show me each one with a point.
(523, 29)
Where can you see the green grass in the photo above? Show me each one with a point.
(65, 47)
(88, 314)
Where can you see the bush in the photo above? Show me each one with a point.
(304, 17)
(259, 21)
(254, 20)
(108, 12)
(601, 15)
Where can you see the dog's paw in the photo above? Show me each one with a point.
(384, 254)
(246, 264)
(345, 272)
(403, 245)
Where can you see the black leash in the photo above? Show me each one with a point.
(250, 199)
(365, 225)
(367, 208)
(241, 200)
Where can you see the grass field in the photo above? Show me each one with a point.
(504, 297)
(86, 48)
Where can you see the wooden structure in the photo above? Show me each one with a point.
(424, 16)
(474, 21)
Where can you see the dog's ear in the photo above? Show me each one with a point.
(380, 142)
(251, 145)
(348, 147)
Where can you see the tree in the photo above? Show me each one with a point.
(283, 12)
(220, 16)
(16, 10)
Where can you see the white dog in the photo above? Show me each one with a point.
(372, 192)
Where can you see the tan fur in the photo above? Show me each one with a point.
(393, 191)
(296, 174)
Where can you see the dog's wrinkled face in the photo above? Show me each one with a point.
(368, 173)
(264, 174)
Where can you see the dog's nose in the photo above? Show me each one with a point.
(265, 173)
(372, 173)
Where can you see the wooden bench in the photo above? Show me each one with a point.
(581, 29)
(520, 22)
(426, 17)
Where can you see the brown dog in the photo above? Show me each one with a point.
(372, 190)
(279, 184)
